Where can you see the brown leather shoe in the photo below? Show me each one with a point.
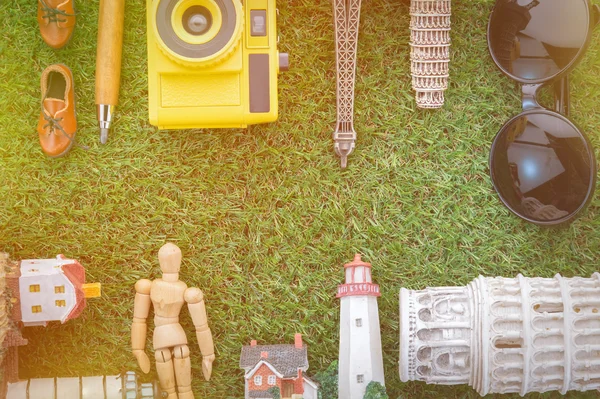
(57, 21)
(57, 124)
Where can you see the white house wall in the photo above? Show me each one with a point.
(310, 392)
(46, 297)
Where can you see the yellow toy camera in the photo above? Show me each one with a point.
(212, 63)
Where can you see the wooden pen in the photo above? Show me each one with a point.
(108, 62)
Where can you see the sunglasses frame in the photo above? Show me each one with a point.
(562, 105)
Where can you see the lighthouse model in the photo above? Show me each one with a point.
(360, 359)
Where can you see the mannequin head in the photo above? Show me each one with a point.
(169, 257)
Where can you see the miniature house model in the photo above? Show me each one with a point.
(504, 335)
(360, 358)
(51, 290)
(40, 290)
(277, 366)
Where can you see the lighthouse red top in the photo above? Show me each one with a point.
(358, 280)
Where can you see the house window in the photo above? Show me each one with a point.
(61, 303)
(272, 380)
(36, 309)
(258, 380)
(358, 322)
(360, 378)
(59, 289)
(34, 288)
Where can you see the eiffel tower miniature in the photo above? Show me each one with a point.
(346, 19)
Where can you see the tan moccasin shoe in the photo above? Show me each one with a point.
(56, 19)
(57, 124)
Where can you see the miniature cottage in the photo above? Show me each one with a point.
(280, 366)
(51, 290)
(39, 290)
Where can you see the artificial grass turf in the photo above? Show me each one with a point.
(265, 217)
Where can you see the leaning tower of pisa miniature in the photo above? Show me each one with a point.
(504, 335)
(430, 50)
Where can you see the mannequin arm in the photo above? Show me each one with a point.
(197, 308)
(141, 309)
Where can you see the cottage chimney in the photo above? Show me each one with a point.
(253, 342)
(298, 341)
(264, 355)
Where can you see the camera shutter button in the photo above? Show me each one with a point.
(284, 62)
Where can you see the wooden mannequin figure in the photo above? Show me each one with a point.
(167, 295)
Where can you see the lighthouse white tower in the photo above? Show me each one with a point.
(360, 359)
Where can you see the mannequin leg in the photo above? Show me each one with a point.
(183, 371)
(164, 368)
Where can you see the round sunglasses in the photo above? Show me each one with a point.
(541, 164)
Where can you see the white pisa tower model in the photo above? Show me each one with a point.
(504, 335)
(360, 357)
(430, 50)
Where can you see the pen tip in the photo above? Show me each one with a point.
(103, 135)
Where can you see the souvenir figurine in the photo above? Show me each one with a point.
(360, 356)
(430, 50)
(167, 295)
(123, 386)
(45, 290)
(277, 369)
(39, 291)
(346, 14)
(504, 335)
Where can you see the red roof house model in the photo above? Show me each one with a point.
(277, 366)
(52, 290)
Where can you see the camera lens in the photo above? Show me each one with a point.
(543, 167)
(197, 20)
(198, 32)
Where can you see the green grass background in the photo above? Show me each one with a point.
(265, 217)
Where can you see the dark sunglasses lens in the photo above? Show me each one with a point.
(537, 39)
(542, 167)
